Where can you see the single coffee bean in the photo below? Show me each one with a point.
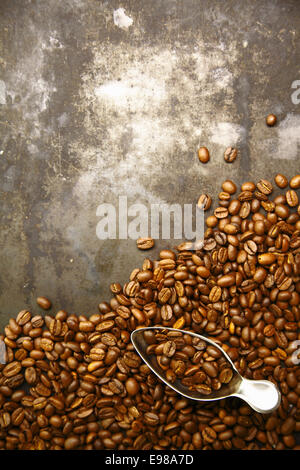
(203, 155)
(43, 302)
(169, 348)
(271, 120)
(145, 243)
(281, 180)
(23, 317)
(266, 258)
(264, 186)
(72, 442)
(230, 154)
(204, 202)
(292, 198)
(227, 280)
(295, 182)
(215, 294)
(211, 221)
(248, 186)
(209, 435)
(221, 212)
(12, 369)
(229, 187)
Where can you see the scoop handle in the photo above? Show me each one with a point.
(262, 395)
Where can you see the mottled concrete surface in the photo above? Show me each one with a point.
(94, 105)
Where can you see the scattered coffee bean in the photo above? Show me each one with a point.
(271, 120)
(230, 154)
(264, 186)
(43, 302)
(292, 198)
(203, 155)
(281, 181)
(295, 182)
(145, 243)
(229, 186)
(204, 202)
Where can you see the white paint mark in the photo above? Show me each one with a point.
(227, 134)
(288, 132)
(121, 19)
(63, 120)
(135, 92)
(52, 42)
(2, 92)
(222, 77)
(245, 44)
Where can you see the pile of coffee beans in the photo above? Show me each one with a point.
(75, 382)
(195, 363)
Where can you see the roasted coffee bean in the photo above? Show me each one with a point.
(229, 186)
(264, 186)
(230, 154)
(145, 243)
(221, 212)
(23, 317)
(43, 302)
(204, 202)
(271, 120)
(292, 198)
(295, 182)
(203, 155)
(12, 369)
(281, 181)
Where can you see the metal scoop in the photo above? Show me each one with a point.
(262, 395)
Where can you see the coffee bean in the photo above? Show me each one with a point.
(281, 181)
(203, 155)
(23, 317)
(266, 258)
(295, 182)
(72, 443)
(211, 221)
(229, 187)
(225, 375)
(204, 202)
(221, 212)
(245, 210)
(264, 186)
(12, 369)
(250, 247)
(271, 120)
(230, 154)
(169, 348)
(145, 243)
(227, 280)
(292, 198)
(215, 294)
(209, 434)
(43, 302)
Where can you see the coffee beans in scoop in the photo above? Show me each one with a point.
(193, 362)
